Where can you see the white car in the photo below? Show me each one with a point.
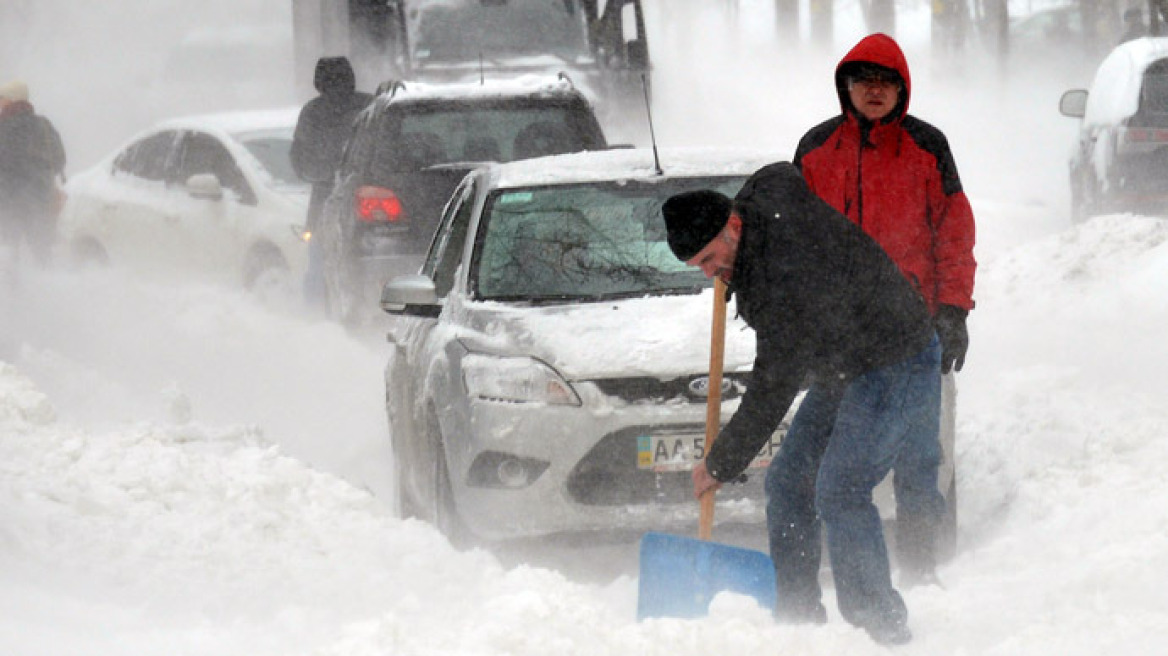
(550, 362)
(1120, 159)
(212, 196)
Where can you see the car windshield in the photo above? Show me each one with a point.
(467, 31)
(472, 132)
(584, 242)
(273, 148)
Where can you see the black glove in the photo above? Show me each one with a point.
(950, 325)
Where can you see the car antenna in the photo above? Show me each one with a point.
(652, 135)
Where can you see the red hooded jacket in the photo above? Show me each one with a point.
(898, 181)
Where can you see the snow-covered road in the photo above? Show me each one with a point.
(126, 531)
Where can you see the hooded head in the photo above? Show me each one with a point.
(875, 53)
(334, 75)
(14, 91)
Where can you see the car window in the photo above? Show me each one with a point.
(202, 153)
(446, 252)
(273, 150)
(585, 241)
(148, 158)
(417, 139)
(1154, 95)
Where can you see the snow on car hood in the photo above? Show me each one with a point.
(632, 164)
(655, 336)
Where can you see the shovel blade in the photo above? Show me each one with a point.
(680, 576)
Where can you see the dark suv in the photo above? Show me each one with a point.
(1120, 162)
(408, 152)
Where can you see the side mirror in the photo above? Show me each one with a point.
(413, 294)
(1073, 103)
(204, 186)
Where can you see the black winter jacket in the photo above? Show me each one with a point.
(824, 299)
(323, 125)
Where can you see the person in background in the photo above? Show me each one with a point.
(827, 305)
(32, 168)
(317, 144)
(893, 175)
(1133, 25)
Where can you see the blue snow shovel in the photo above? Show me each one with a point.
(680, 575)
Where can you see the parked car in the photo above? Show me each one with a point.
(1065, 36)
(549, 368)
(1120, 159)
(409, 150)
(211, 195)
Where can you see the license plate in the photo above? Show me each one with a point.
(679, 452)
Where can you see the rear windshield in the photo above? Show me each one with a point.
(584, 242)
(417, 139)
(1154, 94)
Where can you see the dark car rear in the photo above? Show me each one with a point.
(1120, 162)
(407, 154)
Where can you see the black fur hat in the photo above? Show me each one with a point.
(693, 219)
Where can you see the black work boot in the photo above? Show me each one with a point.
(885, 620)
(811, 612)
(893, 633)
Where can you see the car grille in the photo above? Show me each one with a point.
(608, 475)
(686, 388)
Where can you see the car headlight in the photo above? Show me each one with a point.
(517, 380)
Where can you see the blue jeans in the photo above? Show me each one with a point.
(842, 443)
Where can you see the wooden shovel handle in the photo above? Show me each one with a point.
(714, 399)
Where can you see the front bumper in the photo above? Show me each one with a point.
(589, 478)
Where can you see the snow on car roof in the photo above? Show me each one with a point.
(524, 85)
(630, 163)
(1146, 49)
(1115, 91)
(236, 122)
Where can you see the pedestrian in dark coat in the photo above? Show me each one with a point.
(894, 176)
(321, 130)
(32, 166)
(1133, 24)
(826, 304)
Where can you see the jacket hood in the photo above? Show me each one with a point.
(334, 75)
(882, 50)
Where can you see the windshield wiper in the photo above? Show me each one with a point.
(551, 299)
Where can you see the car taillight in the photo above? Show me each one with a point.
(378, 205)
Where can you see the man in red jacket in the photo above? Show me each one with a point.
(894, 176)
